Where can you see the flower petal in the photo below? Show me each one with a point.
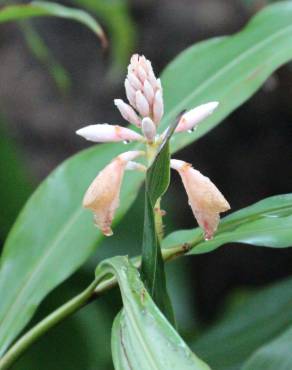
(107, 133)
(205, 199)
(102, 196)
(191, 118)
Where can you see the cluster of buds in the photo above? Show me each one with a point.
(145, 111)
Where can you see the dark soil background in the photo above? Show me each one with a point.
(248, 156)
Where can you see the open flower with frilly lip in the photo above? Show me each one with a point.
(145, 110)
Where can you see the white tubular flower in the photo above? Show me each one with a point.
(158, 107)
(148, 129)
(102, 133)
(142, 104)
(102, 196)
(127, 112)
(190, 119)
(205, 199)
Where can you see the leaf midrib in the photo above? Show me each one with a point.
(209, 81)
(39, 264)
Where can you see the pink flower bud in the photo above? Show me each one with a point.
(106, 133)
(148, 92)
(148, 129)
(127, 112)
(191, 118)
(134, 81)
(130, 93)
(142, 104)
(141, 74)
(158, 107)
(102, 196)
(205, 199)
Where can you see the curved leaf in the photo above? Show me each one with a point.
(266, 223)
(275, 355)
(142, 338)
(254, 323)
(52, 223)
(48, 9)
(51, 238)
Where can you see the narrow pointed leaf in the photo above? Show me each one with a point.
(228, 69)
(48, 9)
(266, 223)
(153, 272)
(142, 338)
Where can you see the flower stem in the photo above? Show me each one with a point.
(96, 288)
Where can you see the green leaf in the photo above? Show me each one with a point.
(227, 69)
(52, 230)
(255, 322)
(266, 223)
(52, 237)
(152, 268)
(275, 355)
(48, 9)
(15, 186)
(142, 338)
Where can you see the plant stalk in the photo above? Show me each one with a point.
(96, 288)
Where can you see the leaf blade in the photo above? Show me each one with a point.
(142, 338)
(47, 9)
(266, 223)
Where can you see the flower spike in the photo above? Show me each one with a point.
(102, 196)
(205, 199)
(192, 118)
(102, 133)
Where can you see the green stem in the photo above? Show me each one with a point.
(43, 326)
(97, 287)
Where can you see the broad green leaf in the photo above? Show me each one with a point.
(142, 338)
(266, 223)
(48, 9)
(52, 230)
(52, 237)
(15, 186)
(275, 355)
(227, 69)
(257, 321)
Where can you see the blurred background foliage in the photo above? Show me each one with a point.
(54, 78)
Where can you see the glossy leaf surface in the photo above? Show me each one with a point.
(142, 338)
(53, 236)
(266, 223)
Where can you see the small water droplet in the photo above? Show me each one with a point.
(126, 142)
(190, 131)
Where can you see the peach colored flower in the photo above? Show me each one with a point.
(102, 196)
(205, 199)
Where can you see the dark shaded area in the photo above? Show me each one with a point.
(248, 156)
